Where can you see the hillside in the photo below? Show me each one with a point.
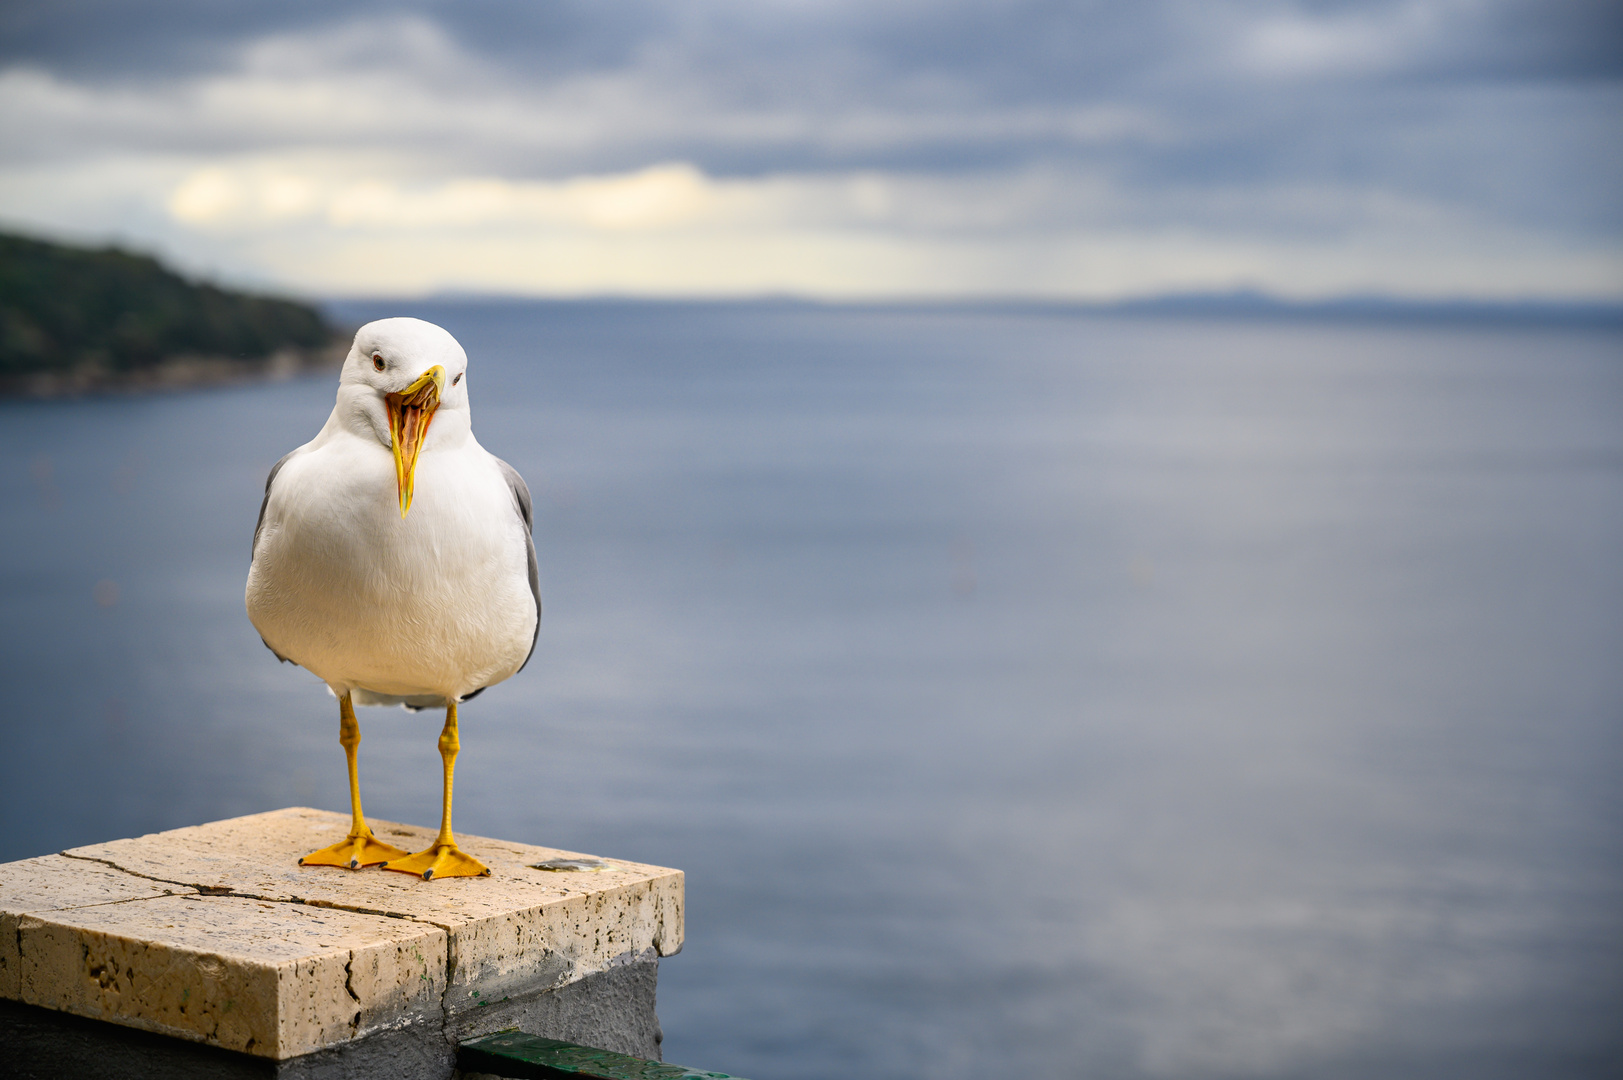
(75, 318)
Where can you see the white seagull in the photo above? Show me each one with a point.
(390, 591)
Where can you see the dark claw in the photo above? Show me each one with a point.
(428, 874)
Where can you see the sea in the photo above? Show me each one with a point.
(1024, 692)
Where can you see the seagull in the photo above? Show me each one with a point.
(393, 559)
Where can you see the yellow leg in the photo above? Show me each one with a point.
(360, 847)
(443, 858)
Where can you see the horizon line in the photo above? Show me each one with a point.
(1234, 303)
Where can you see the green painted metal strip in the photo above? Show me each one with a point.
(530, 1057)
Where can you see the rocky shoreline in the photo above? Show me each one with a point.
(77, 321)
(175, 373)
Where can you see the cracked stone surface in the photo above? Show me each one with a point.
(215, 934)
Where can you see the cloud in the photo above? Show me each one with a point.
(1341, 42)
(672, 230)
(656, 197)
(1265, 136)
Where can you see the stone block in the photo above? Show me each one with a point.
(264, 978)
(52, 883)
(215, 934)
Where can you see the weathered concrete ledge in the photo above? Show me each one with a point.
(214, 934)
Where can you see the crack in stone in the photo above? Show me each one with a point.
(100, 903)
(214, 890)
(226, 890)
(445, 992)
(349, 988)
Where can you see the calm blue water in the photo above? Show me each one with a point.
(1022, 694)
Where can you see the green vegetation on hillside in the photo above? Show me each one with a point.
(65, 309)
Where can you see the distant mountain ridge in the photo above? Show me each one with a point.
(76, 319)
(1376, 308)
(1236, 304)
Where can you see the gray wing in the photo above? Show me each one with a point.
(521, 497)
(259, 527)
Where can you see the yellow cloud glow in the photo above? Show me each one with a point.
(653, 198)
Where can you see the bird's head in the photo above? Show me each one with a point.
(400, 374)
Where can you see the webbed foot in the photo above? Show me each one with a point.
(353, 852)
(441, 860)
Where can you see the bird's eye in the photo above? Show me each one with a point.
(377, 361)
(457, 379)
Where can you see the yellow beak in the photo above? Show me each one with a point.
(410, 412)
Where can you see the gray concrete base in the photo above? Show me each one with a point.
(612, 1009)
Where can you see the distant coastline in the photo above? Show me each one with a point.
(77, 321)
(1236, 305)
(174, 373)
(1375, 309)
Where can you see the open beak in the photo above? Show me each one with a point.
(410, 412)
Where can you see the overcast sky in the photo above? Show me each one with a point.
(1415, 148)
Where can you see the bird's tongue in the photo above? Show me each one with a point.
(409, 416)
